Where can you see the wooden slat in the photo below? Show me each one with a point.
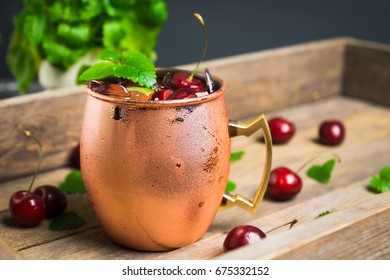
(367, 71)
(367, 239)
(54, 117)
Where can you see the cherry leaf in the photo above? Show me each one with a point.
(230, 186)
(321, 173)
(235, 156)
(68, 220)
(73, 183)
(381, 183)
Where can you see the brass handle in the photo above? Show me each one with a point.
(247, 129)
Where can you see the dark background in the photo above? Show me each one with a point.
(236, 27)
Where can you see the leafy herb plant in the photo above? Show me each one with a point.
(62, 32)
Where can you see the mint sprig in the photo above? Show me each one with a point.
(381, 183)
(131, 65)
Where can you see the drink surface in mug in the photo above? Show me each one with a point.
(155, 170)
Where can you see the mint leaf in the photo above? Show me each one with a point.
(230, 186)
(34, 28)
(98, 71)
(321, 173)
(74, 35)
(73, 183)
(110, 55)
(235, 156)
(131, 65)
(59, 54)
(381, 183)
(68, 220)
(113, 33)
(23, 60)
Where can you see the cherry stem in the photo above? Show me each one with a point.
(338, 159)
(293, 222)
(200, 19)
(29, 134)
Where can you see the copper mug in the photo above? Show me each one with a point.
(156, 172)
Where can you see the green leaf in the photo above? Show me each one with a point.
(110, 55)
(381, 183)
(321, 173)
(75, 35)
(117, 8)
(34, 28)
(82, 10)
(113, 33)
(134, 66)
(235, 156)
(23, 58)
(55, 11)
(98, 71)
(152, 13)
(230, 186)
(73, 183)
(324, 213)
(82, 69)
(60, 55)
(68, 220)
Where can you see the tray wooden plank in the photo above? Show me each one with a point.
(368, 239)
(364, 152)
(367, 72)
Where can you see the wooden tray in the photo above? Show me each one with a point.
(339, 78)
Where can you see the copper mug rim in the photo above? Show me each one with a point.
(163, 103)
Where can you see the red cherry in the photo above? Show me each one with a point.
(55, 200)
(241, 236)
(281, 130)
(180, 80)
(184, 93)
(162, 94)
(26, 208)
(283, 184)
(331, 132)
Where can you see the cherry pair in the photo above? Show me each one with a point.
(331, 132)
(28, 209)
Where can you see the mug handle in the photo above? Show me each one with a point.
(238, 128)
